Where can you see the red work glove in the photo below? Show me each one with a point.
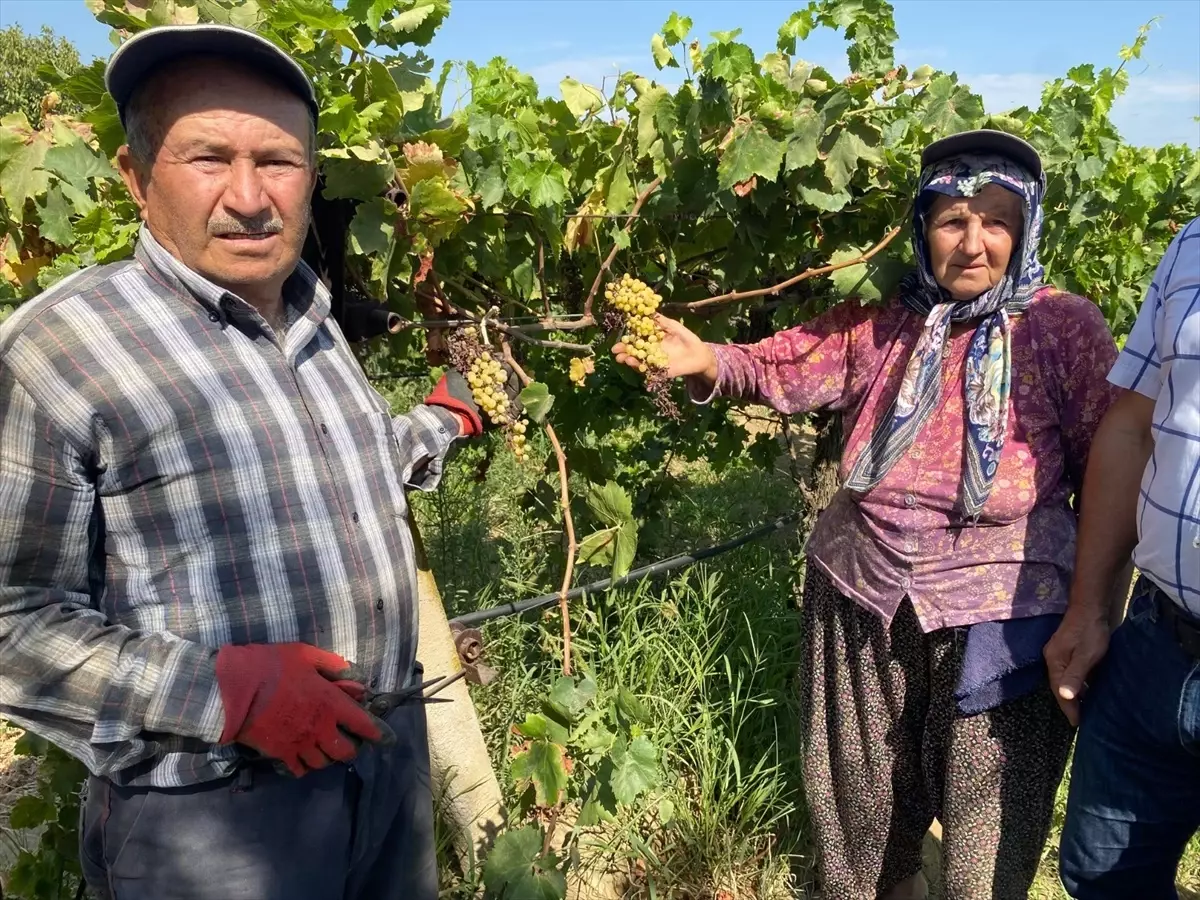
(286, 701)
(453, 393)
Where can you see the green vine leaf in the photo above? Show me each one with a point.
(655, 121)
(541, 728)
(56, 218)
(676, 29)
(872, 281)
(951, 107)
(369, 12)
(610, 503)
(437, 208)
(635, 769)
(32, 811)
(22, 177)
(543, 765)
(358, 172)
(316, 14)
(753, 152)
(76, 163)
(516, 868)
(372, 234)
(624, 549)
(597, 548)
(855, 144)
(803, 148)
(572, 699)
(536, 400)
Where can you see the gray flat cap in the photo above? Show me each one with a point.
(128, 66)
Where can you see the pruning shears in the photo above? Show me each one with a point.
(381, 704)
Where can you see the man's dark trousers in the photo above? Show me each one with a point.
(1135, 785)
(357, 832)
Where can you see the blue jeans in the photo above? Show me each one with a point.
(1135, 783)
(362, 831)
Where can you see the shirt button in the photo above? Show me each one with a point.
(213, 317)
(354, 516)
(911, 547)
(906, 582)
(379, 603)
(1196, 541)
(910, 501)
(324, 428)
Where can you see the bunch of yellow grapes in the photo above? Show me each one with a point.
(487, 379)
(516, 439)
(636, 301)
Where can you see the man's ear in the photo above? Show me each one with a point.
(135, 176)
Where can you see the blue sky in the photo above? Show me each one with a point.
(1005, 49)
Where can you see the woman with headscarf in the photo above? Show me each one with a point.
(942, 566)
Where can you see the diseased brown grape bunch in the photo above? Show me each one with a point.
(488, 377)
(632, 306)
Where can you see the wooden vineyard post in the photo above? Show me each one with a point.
(465, 789)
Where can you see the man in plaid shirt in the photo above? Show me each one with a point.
(1135, 783)
(205, 560)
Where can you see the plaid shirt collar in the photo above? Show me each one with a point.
(304, 296)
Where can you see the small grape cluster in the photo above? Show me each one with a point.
(638, 303)
(632, 306)
(487, 377)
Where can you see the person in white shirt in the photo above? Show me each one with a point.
(1134, 799)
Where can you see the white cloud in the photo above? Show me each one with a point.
(1008, 91)
(1156, 109)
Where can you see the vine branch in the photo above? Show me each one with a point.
(612, 254)
(565, 503)
(520, 333)
(735, 296)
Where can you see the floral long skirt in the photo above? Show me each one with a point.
(886, 751)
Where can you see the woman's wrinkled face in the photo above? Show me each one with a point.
(971, 239)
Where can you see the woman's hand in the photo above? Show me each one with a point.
(686, 353)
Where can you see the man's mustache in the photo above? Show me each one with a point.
(223, 224)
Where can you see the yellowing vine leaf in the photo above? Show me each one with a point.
(663, 57)
(426, 161)
(22, 177)
(580, 98)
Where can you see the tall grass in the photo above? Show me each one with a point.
(710, 653)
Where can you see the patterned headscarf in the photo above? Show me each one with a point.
(989, 359)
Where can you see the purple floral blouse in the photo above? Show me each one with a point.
(906, 537)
